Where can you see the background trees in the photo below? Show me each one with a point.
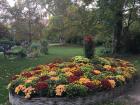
(113, 23)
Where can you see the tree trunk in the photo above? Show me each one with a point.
(117, 32)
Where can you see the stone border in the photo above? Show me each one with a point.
(98, 97)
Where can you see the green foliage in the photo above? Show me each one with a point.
(44, 47)
(4, 32)
(134, 38)
(75, 40)
(87, 68)
(100, 60)
(80, 59)
(62, 79)
(34, 50)
(18, 50)
(7, 42)
(103, 51)
(74, 90)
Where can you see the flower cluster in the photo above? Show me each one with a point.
(88, 38)
(77, 77)
(27, 91)
(60, 89)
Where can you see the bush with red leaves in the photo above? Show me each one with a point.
(90, 86)
(43, 78)
(78, 73)
(72, 79)
(51, 65)
(37, 68)
(41, 86)
(27, 74)
(105, 84)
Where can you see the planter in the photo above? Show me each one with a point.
(99, 81)
(98, 97)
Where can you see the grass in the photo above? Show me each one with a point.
(11, 67)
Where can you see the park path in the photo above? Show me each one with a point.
(55, 44)
(132, 97)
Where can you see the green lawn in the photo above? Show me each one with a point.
(11, 67)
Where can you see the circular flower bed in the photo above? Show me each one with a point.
(77, 78)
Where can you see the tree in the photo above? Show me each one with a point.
(4, 33)
(25, 18)
(118, 10)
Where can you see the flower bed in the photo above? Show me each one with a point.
(79, 77)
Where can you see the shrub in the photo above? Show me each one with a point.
(34, 50)
(80, 59)
(18, 51)
(44, 47)
(74, 90)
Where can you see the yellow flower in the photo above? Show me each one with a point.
(52, 73)
(54, 78)
(69, 74)
(96, 82)
(19, 88)
(66, 69)
(96, 72)
(113, 83)
(73, 69)
(60, 89)
(29, 80)
(84, 80)
(127, 74)
(109, 76)
(120, 77)
(28, 91)
(108, 67)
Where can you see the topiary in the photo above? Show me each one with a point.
(89, 46)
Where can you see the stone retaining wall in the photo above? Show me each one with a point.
(98, 97)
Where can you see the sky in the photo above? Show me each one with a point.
(11, 2)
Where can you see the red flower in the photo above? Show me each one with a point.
(88, 38)
(73, 79)
(108, 83)
(123, 64)
(112, 70)
(78, 73)
(27, 74)
(36, 72)
(41, 86)
(51, 65)
(37, 68)
(43, 78)
(90, 85)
